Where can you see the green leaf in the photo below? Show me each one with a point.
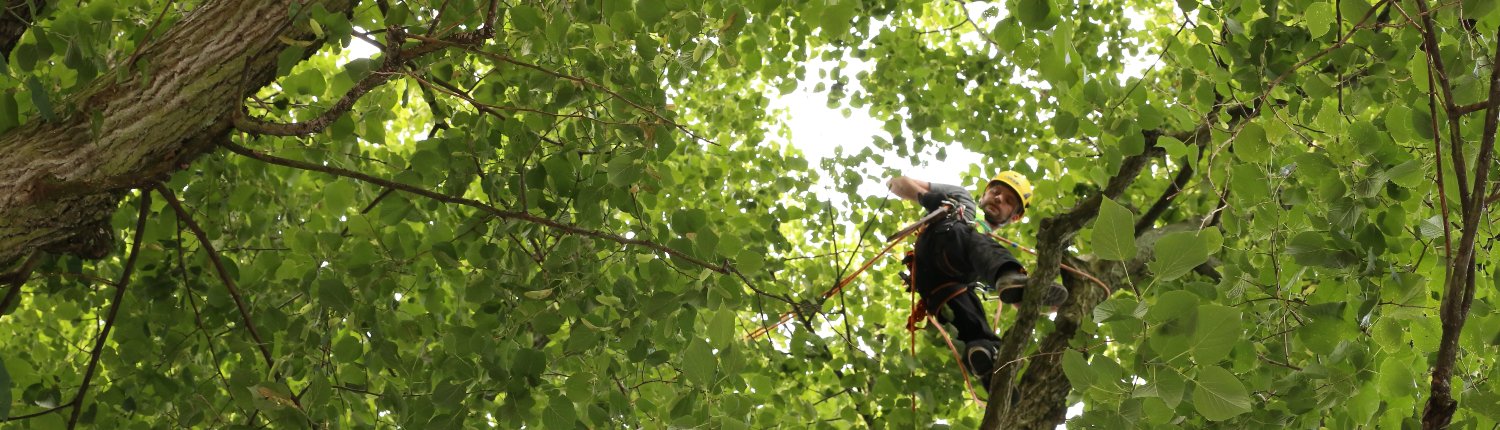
(1398, 123)
(398, 15)
(1251, 145)
(1040, 15)
(1363, 405)
(9, 114)
(448, 396)
(1220, 395)
(1217, 333)
(1396, 379)
(721, 329)
(836, 19)
(39, 98)
(1147, 118)
(1077, 370)
(529, 362)
(1170, 386)
(338, 195)
(650, 11)
(1064, 125)
(1119, 309)
(559, 413)
(348, 349)
(5, 393)
(1113, 237)
(1132, 144)
(1320, 17)
(1388, 335)
(699, 364)
(1177, 254)
(1171, 305)
(1408, 174)
(1365, 136)
(526, 18)
(625, 170)
(336, 296)
(1484, 403)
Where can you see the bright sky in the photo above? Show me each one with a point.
(818, 130)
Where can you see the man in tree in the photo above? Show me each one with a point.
(954, 252)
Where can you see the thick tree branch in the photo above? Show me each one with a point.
(1148, 219)
(213, 257)
(1468, 109)
(1455, 131)
(16, 278)
(114, 308)
(59, 179)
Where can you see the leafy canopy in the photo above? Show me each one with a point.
(641, 221)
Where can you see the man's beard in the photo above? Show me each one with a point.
(995, 220)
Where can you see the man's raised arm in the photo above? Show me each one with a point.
(907, 188)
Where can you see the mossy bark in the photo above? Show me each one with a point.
(60, 182)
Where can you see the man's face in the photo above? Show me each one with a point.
(1000, 202)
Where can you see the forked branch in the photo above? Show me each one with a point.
(213, 257)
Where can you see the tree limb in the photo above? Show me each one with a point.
(114, 308)
(1455, 131)
(213, 257)
(473, 204)
(394, 37)
(1053, 236)
(59, 176)
(1149, 218)
(1459, 292)
(16, 278)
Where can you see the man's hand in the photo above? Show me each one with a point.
(908, 188)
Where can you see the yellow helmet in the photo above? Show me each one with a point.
(1017, 182)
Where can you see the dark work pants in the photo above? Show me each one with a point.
(951, 255)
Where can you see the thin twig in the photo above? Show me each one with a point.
(472, 203)
(130, 61)
(114, 308)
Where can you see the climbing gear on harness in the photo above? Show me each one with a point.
(1017, 182)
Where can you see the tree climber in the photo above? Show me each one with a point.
(954, 252)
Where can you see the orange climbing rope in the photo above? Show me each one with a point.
(897, 238)
(957, 358)
(1107, 291)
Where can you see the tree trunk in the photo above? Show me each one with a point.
(1043, 389)
(59, 184)
(1053, 235)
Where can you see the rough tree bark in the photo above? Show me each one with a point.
(59, 184)
(1458, 294)
(16, 19)
(1053, 236)
(1043, 388)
